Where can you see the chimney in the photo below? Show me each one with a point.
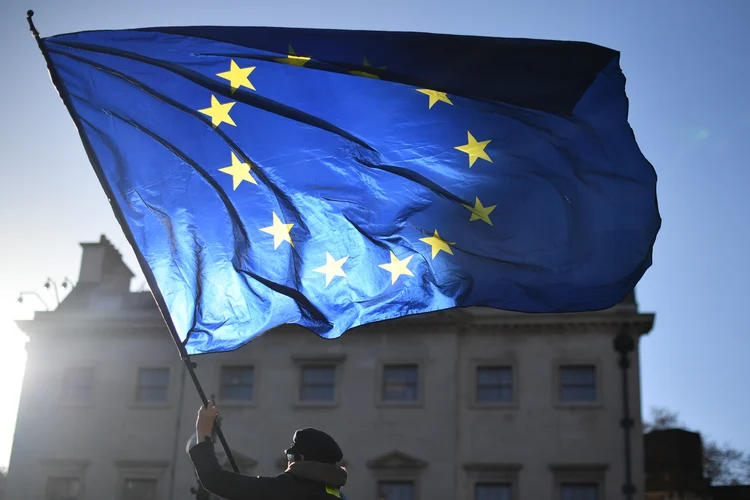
(102, 266)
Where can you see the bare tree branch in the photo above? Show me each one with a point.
(662, 418)
(722, 464)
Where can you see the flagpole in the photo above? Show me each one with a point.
(161, 304)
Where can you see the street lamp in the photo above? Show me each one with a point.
(51, 283)
(20, 298)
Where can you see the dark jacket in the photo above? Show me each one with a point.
(302, 481)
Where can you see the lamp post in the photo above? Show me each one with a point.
(624, 345)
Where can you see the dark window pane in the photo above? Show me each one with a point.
(318, 375)
(579, 394)
(153, 384)
(396, 490)
(578, 375)
(139, 489)
(237, 383)
(495, 375)
(494, 394)
(402, 373)
(494, 384)
(492, 491)
(237, 393)
(78, 385)
(318, 383)
(317, 394)
(400, 383)
(151, 395)
(153, 376)
(578, 383)
(580, 492)
(62, 488)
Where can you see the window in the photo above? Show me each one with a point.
(396, 490)
(139, 489)
(62, 488)
(319, 375)
(581, 491)
(78, 386)
(153, 385)
(396, 475)
(492, 480)
(579, 481)
(236, 383)
(492, 491)
(494, 384)
(400, 382)
(578, 384)
(140, 479)
(318, 383)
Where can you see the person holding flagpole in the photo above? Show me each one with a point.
(312, 472)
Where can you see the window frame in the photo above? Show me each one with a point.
(136, 469)
(64, 477)
(492, 472)
(332, 367)
(63, 468)
(478, 484)
(125, 480)
(396, 466)
(558, 402)
(380, 481)
(563, 484)
(319, 360)
(238, 402)
(579, 474)
(168, 401)
(381, 402)
(501, 362)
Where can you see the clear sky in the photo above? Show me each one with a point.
(689, 86)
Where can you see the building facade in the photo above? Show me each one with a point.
(461, 404)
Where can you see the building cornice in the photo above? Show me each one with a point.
(575, 467)
(604, 322)
(492, 467)
(463, 321)
(396, 459)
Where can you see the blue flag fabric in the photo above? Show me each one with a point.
(336, 178)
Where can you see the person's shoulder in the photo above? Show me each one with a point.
(289, 483)
(298, 487)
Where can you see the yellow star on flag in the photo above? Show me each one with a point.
(238, 77)
(366, 64)
(218, 112)
(480, 212)
(435, 96)
(239, 171)
(475, 150)
(437, 243)
(293, 58)
(279, 230)
(332, 268)
(397, 267)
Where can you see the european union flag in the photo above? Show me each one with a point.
(335, 178)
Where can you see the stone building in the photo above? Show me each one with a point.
(462, 404)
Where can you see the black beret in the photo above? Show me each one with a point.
(315, 445)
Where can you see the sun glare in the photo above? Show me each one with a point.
(12, 347)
